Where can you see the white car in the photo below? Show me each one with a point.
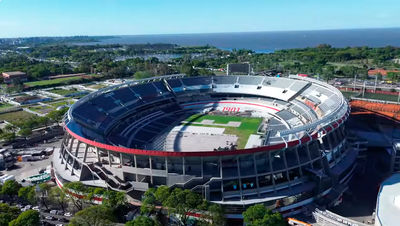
(68, 214)
(35, 208)
(28, 207)
(49, 218)
(53, 211)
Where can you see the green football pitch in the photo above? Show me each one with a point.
(248, 125)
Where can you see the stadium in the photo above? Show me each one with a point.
(237, 140)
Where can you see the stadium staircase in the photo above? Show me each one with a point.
(112, 181)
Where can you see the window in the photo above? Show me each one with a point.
(158, 163)
(264, 181)
(193, 166)
(277, 160)
(175, 165)
(249, 183)
(229, 166)
(246, 165)
(262, 162)
(142, 161)
(211, 166)
(231, 185)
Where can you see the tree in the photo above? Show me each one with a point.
(43, 194)
(27, 218)
(180, 202)
(25, 132)
(75, 187)
(7, 214)
(113, 199)
(142, 221)
(259, 215)
(10, 188)
(142, 75)
(58, 197)
(28, 194)
(94, 216)
(216, 215)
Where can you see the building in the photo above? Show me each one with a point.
(6, 159)
(381, 71)
(11, 76)
(135, 136)
(388, 202)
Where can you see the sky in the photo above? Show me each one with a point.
(26, 18)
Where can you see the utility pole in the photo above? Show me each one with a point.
(355, 76)
(376, 80)
(363, 89)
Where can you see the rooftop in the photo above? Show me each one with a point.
(388, 204)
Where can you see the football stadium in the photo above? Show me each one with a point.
(237, 140)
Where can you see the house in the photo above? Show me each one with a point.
(11, 76)
(381, 71)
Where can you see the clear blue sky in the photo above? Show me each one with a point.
(20, 18)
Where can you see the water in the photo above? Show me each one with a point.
(271, 41)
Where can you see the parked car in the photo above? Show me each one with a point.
(53, 211)
(36, 208)
(49, 218)
(68, 214)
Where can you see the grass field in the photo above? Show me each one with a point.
(247, 127)
(380, 96)
(61, 103)
(5, 105)
(16, 116)
(63, 92)
(51, 82)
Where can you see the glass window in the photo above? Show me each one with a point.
(231, 185)
(158, 162)
(291, 158)
(264, 181)
(211, 166)
(303, 154)
(294, 174)
(193, 166)
(175, 165)
(142, 161)
(280, 178)
(249, 183)
(277, 160)
(262, 162)
(229, 166)
(246, 165)
(314, 149)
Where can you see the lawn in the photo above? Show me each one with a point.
(380, 96)
(17, 116)
(247, 127)
(63, 92)
(96, 86)
(61, 103)
(5, 105)
(348, 94)
(42, 109)
(51, 82)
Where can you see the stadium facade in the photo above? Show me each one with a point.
(120, 137)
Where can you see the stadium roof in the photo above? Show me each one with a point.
(388, 203)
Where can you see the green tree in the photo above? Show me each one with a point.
(7, 214)
(142, 75)
(43, 194)
(10, 188)
(58, 197)
(259, 215)
(28, 194)
(142, 221)
(27, 218)
(76, 187)
(25, 131)
(113, 199)
(98, 215)
(180, 202)
(216, 215)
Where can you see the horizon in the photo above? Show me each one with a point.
(202, 33)
(48, 18)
